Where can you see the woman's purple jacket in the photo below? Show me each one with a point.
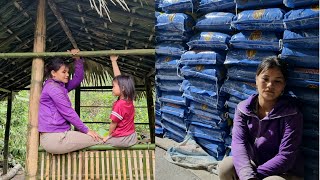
(272, 143)
(55, 111)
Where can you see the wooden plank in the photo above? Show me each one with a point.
(63, 175)
(53, 167)
(141, 165)
(48, 167)
(129, 164)
(113, 167)
(59, 167)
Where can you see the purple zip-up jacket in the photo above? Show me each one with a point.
(55, 111)
(272, 143)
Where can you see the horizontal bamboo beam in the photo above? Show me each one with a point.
(81, 53)
(108, 147)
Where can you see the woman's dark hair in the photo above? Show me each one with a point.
(55, 65)
(272, 62)
(126, 85)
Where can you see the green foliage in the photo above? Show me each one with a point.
(19, 118)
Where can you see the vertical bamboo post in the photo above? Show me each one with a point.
(97, 165)
(42, 165)
(108, 166)
(80, 165)
(113, 167)
(6, 135)
(147, 164)
(63, 175)
(59, 167)
(124, 169)
(86, 166)
(77, 100)
(35, 91)
(118, 164)
(150, 104)
(135, 159)
(141, 164)
(48, 167)
(53, 167)
(129, 164)
(74, 157)
(91, 165)
(102, 166)
(69, 166)
(153, 164)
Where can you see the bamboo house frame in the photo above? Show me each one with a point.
(33, 32)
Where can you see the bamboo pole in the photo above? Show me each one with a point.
(47, 167)
(113, 167)
(135, 165)
(141, 165)
(69, 166)
(124, 169)
(118, 165)
(147, 164)
(81, 53)
(35, 91)
(59, 171)
(151, 114)
(86, 164)
(7, 135)
(53, 172)
(129, 164)
(153, 164)
(97, 165)
(63, 175)
(103, 171)
(74, 157)
(80, 165)
(91, 165)
(108, 166)
(42, 165)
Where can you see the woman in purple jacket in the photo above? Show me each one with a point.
(56, 113)
(267, 131)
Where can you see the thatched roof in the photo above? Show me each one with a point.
(128, 30)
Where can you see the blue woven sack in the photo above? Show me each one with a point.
(206, 6)
(210, 72)
(203, 107)
(247, 57)
(169, 6)
(302, 18)
(242, 73)
(167, 62)
(209, 41)
(303, 77)
(174, 109)
(175, 130)
(254, 4)
(170, 86)
(171, 134)
(258, 40)
(170, 49)
(201, 91)
(177, 121)
(215, 21)
(307, 96)
(170, 36)
(213, 148)
(310, 113)
(176, 22)
(231, 105)
(206, 117)
(238, 89)
(304, 39)
(202, 57)
(205, 131)
(301, 57)
(263, 19)
(235, 99)
(299, 3)
(173, 97)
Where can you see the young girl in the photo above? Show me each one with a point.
(122, 131)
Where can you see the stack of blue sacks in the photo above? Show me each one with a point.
(301, 52)
(173, 30)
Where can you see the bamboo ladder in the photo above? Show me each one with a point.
(99, 162)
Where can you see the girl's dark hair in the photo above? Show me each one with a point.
(126, 85)
(55, 65)
(272, 62)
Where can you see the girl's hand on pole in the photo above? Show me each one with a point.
(74, 52)
(114, 58)
(94, 135)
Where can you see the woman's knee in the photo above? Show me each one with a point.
(226, 169)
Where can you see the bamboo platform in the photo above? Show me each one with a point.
(99, 162)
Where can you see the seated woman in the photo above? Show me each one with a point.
(56, 113)
(267, 131)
